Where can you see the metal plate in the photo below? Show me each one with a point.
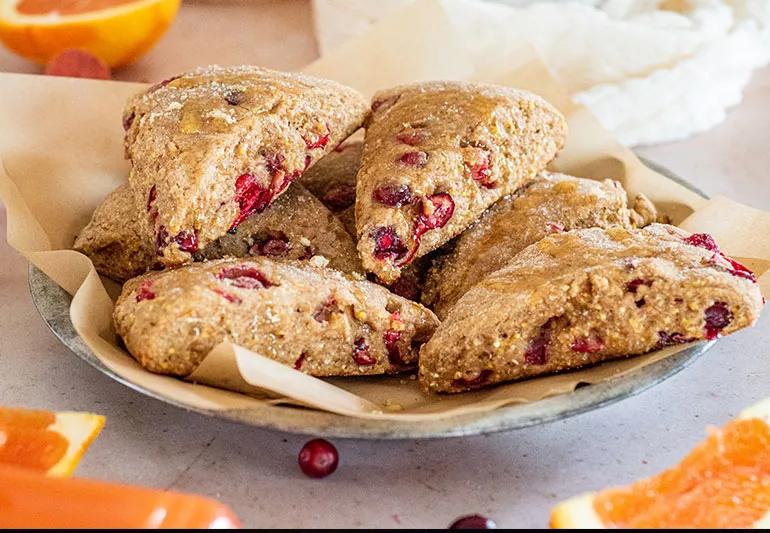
(53, 304)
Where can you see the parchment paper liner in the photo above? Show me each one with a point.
(61, 153)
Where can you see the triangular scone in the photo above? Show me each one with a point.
(117, 238)
(333, 181)
(213, 146)
(585, 296)
(436, 155)
(316, 320)
(552, 203)
(295, 226)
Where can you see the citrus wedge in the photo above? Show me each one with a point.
(723, 483)
(116, 31)
(48, 442)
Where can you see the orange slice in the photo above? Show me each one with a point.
(723, 483)
(116, 31)
(48, 442)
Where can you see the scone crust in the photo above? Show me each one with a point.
(450, 150)
(586, 296)
(212, 146)
(116, 238)
(552, 203)
(314, 319)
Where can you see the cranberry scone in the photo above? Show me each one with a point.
(586, 296)
(117, 238)
(314, 319)
(436, 155)
(215, 145)
(295, 226)
(333, 181)
(549, 204)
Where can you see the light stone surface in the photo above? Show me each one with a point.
(512, 477)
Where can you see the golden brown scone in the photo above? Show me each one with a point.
(295, 226)
(586, 296)
(213, 146)
(314, 319)
(436, 155)
(333, 181)
(550, 204)
(116, 239)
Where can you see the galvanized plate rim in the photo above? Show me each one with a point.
(53, 302)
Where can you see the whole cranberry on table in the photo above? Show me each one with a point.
(473, 521)
(318, 458)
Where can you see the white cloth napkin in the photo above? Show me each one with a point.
(650, 70)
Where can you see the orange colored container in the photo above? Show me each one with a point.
(31, 500)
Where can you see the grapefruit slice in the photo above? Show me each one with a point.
(48, 442)
(116, 31)
(723, 483)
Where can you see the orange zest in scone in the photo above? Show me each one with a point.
(116, 31)
(45, 441)
(723, 483)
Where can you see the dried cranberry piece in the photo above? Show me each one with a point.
(270, 243)
(474, 381)
(318, 458)
(362, 353)
(717, 317)
(144, 292)
(393, 195)
(128, 120)
(299, 361)
(590, 344)
(244, 277)
(391, 338)
(553, 227)
(536, 352)
(414, 159)
(702, 240)
(235, 97)
(633, 285)
(316, 140)
(437, 209)
(187, 241)
(325, 310)
(275, 163)
(414, 137)
(670, 339)
(480, 170)
(151, 197)
(251, 197)
(161, 240)
(387, 244)
(339, 197)
(473, 521)
(740, 270)
(232, 298)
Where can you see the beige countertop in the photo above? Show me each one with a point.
(513, 477)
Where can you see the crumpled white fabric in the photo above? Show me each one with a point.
(650, 70)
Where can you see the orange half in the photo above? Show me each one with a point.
(723, 483)
(44, 441)
(116, 31)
